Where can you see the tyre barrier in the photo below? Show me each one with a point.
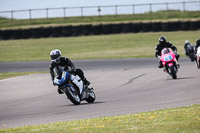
(16, 34)
(67, 31)
(25, 34)
(137, 27)
(166, 26)
(175, 26)
(126, 27)
(185, 26)
(156, 26)
(116, 28)
(147, 27)
(97, 29)
(46, 32)
(107, 29)
(36, 33)
(77, 30)
(56, 31)
(88, 29)
(6, 34)
(194, 25)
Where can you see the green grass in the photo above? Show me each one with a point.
(93, 47)
(154, 16)
(176, 120)
(6, 75)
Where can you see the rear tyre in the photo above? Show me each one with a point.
(91, 98)
(72, 94)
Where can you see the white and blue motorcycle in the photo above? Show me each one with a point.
(72, 85)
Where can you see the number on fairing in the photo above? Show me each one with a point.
(168, 58)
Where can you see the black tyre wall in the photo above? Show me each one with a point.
(137, 27)
(194, 25)
(87, 29)
(76, 30)
(156, 26)
(107, 29)
(175, 26)
(147, 27)
(67, 30)
(97, 29)
(46, 32)
(126, 27)
(16, 34)
(56, 31)
(166, 26)
(185, 25)
(116, 28)
(6, 34)
(26, 33)
(36, 33)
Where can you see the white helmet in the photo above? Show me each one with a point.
(187, 42)
(55, 55)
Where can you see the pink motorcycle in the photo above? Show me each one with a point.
(168, 59)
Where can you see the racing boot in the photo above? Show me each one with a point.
(160, 65)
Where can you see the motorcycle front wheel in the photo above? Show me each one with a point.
(173, 72)
(72, 94)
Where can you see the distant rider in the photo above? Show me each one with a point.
(188, 44)
(58, 64)
(164, 44)
(197, 45)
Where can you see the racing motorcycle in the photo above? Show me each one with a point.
(72, 85)
(168, 59)
(190, 52)
(198, 58)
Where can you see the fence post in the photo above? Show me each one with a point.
(167, 6)
(99, 11)
(30, 14)
(12, 15)
(116, 10)
(184, 6)
(133, 9)
(64, 12)
(47, 13)
(150, 7)
(81, 11)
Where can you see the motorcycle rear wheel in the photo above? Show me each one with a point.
(91, 98)
(72, 94)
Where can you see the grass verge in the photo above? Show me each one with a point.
(6, 75)
(176, 120)
(93, 47)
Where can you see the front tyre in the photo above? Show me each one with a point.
(173, 72)
(72, 94)
(91, 97)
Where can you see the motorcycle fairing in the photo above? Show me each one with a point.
(65, 77)
(78, 82)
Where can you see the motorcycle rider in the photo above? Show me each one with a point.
(197, 45)
(164, 44)
(59, 63)
(187, 43)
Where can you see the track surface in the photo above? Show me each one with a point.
(122, 86)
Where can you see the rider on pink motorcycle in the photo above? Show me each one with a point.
(164, 44)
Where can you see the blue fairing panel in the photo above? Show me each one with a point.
(65, 77)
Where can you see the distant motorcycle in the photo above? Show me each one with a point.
(198, 57)
(168, 59)
(190, 52)
(72, 85)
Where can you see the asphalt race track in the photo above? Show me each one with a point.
(122, 86)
